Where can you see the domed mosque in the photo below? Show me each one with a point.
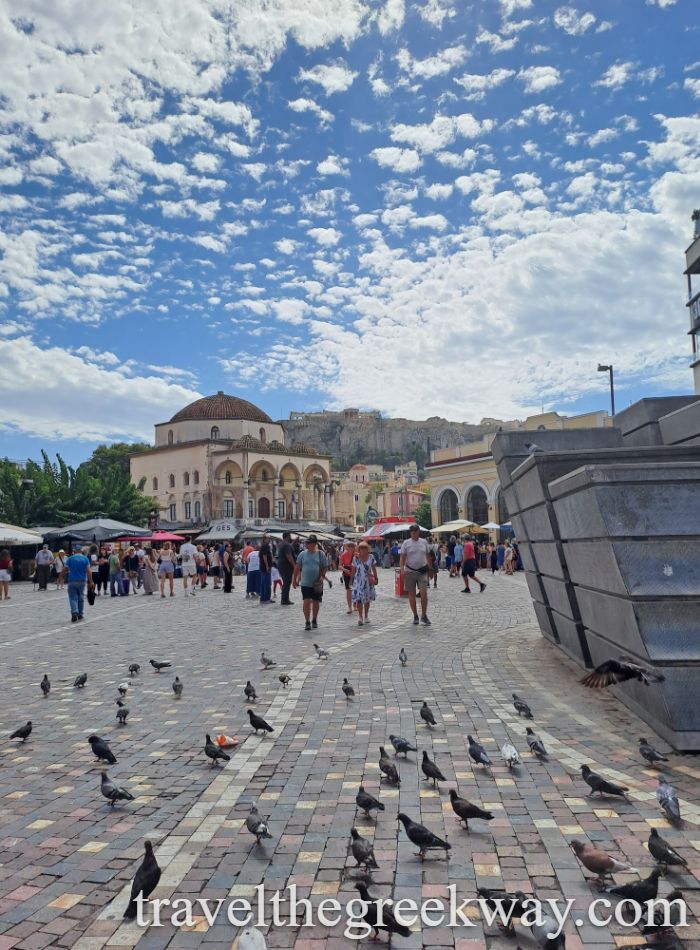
(221, 457)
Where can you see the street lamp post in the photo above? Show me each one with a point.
(609, 369)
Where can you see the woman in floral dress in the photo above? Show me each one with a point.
(364, 580)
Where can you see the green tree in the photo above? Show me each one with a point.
(423, 514)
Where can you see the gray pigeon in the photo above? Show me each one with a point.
(536, 744)
(257, 825)
(258, 723)
(347, 689)
(422, 837)
(145, 881)
(466, 810)
(23, 733)
(113, 793)
(215, 752)
(477, 753)
(159, 665)
(100, 748)
(662, 851)
(134, 669)
(266, 661)
(667, 798)
(177, 687)
(122, 689)
(639, 891)
(648, 752)
(80, 681)
(430, 770)
(387, 767)
(284, 679)
(509, 754)
(379, 917)
(403, 657)
(402, 745)
(367, 802)
(426, 714)
(521, 707)
(122, 713)
(363, 851)
(250, 693)
(533, 448)
(602, 785)
(541, 932)
(45, 685)
(321, 653)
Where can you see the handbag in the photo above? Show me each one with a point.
(318, 583)
(91, 596)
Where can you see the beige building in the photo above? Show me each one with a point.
(223, 457)
(463, 479)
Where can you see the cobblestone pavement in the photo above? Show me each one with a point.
(67, 859)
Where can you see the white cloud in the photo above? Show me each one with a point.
(400, 159)
(438, 191)
(333, 165)
(538, 78)
(476, 85)
(509, 7)
(495, 42)
(664, 4)
(205, 211)
(308, 105)
(391, 16)
(255, 169)
(693, 87)
(326, 237)
(616, 76)
(286, 246)
(439, 65)
(572, 22)
(46, 165)
(441, 131)
(601, 136)
(332, 77)
(435, 12)
(435, 222)
(206, 162)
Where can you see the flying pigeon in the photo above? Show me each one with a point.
(602, 785)
(387, 767)
(122, 713)
(101, 750)
(521, 707)
(662, 851)
(510, 755)
(215, 752)
(403, 657)
(177, 687)
(347, 689)
(23, 733)
(145, 881)
(466, 810)
(321, 653)
(667, 798)
(363, 851)
(285, 680)
(266, 661)
(402, 745)
(426, 714)
(258, 723)
(431, 771)
(158, 666)
(619, 671)
(45, 685)
(256, 825)
(380, 918)
(250, 693)
(80, 681)
(477, 753)
(648, 752)
(638, 891)
(536, 744)
(598, 862)
(134, 668)
(367, 802)
(113, 793)
(422, 837)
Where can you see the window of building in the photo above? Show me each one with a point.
(188, 510)
(227, 478)
(170, 436)
(251, 508)
(477, 505)
(215, 432)
(262, 435)
(198, 510)
(228, 507)
(155, 484)
(186, 478)
(264, 475)
(281, 509)
(171, 481)
(196, 477)
(448, 506)
(172, 512)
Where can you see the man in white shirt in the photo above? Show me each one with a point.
(416, 569)
(189, 566)
(44, 560)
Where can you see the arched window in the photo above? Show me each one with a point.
(264, 508)
(215, 432)
(477, 505)
(155, 484)
(170, 436)
(448, 506)
(262, 435)
(264, 475)
(198, 510)
(502, 516)
(227, 478)
(186, 478)
(171, 481)
(196, 477)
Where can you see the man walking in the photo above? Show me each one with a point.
(265, 554)
(44, 560)
(188, 553)
(285, 565)
(309, 573)
(415, 572)
(469, 567)
(78, 574)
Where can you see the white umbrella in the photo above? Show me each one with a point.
(453, 527)
(491, 526)
(11, 534)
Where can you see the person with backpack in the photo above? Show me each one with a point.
(309, 574)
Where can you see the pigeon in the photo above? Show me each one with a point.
(648, 752)
(177, 687)
(367, 802)
(466, 810)
(515, 905)
(674, 916)
(258, 723)
(521, 707)
(619, 671)
(123, 689)
(510, 755)
(602, 785)
(122, 713)
(266, 661)
(250, 693)
(430, 770)
(542, 930)
(598, 862)
(113, 793)
(403, 657)
(533, 448)
(215, 752)
(145, 881)
(382, 918)
(347, 689)
(250, 939)
(45, 685)
(321, 653)
(387, 767)
(422, 837)
(134, 668)
(536, 744)
(667, 798)
(101, 750)
(363, 851)
(426, 714)
(257, 825)
(402, 745)
(662, 852)
(285, 680)
(477, 753)
(23, 733)
(638, 891)
(80, 681)
(158, 666)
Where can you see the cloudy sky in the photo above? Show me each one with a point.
(419, 206)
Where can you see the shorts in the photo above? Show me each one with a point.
(189, 569)
(469, 567)
(166, 567)
(310, 593)
(346, 581)
(4, 575)
(201, 569)
(413, 579)
(214, 571)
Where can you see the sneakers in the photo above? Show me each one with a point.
(416, 621)
(465, 590)
(425, 621)
(483, 588)
(314, 624)
(307, 625)
(73, 618)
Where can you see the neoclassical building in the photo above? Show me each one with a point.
(223, 457)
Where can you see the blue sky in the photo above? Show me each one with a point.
(427, 208)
